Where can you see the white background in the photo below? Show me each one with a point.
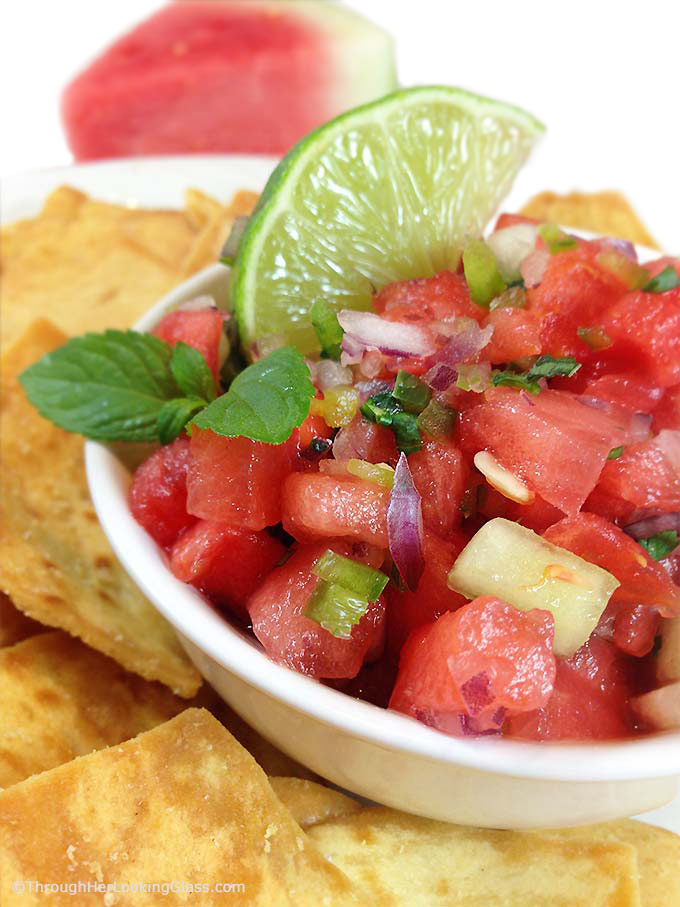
(604, 76)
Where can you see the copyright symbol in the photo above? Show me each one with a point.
(18, 887)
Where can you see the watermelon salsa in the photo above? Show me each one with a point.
(476, 521)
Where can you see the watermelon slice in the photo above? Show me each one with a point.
(249, 76)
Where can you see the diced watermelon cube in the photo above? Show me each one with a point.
(641, 481)
(552, 442)
(236, 480)
(575, 292)
(200, 328)
(277, 613)
(650, 324)
(643, 581)
(476, 666)
(440, 298)
(590, 701)
(667, 413)
(536, 515)
(322, 506)
(627, 390)
(516, 334)
(225, 562)
(407, 610)
(440, 475)
(158, 493)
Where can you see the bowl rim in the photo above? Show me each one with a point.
(192, 616)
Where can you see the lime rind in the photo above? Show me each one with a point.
(383, 192)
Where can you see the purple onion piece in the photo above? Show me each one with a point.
(662, 522)
(440, 377)
(464, 345)
(534, 266)
(405, 526)
(392, 337)
(620, 245)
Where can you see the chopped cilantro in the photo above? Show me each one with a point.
(660, 545)
(663, 282)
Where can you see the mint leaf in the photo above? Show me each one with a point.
(660, 545)
(550, 367)
(513, 379)
(174, 415)
(265, 402)
(543, 367)
(109, 387)
(663, 281)
(192, 373)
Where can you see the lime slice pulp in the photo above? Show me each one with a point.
(385, 192)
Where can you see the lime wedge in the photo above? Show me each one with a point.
(385, 192)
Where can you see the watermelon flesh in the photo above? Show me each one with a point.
(590, 701)
(554, 442)
(236, 480)
(158, 493)
(225, 562)
(440, 475)
(277, 613)
(643, 581)
(474, 667)
(199, 328)
(322, 506)
(248, 77)
(432, 597)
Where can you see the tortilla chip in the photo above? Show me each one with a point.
(55, 562)
(268, 757)
(60, 699)
(403, 859)
(183, 802)
(658, 853)
(606, 213)
(310, 803)
(215, 225)
(15, 626)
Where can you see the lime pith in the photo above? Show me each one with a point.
(385, 192)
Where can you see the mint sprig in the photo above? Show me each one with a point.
(543, 367)
(192, 373)
(265, 402)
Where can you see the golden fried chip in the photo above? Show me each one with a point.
(268, 757)
(215, 225)
(181, 803)
(60, 699)
(15, 626)
(607, 213)
(658, 853)
(403, 859)
(55, 562)
(88, 265)
(310, 803)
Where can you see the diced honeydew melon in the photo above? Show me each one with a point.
(515, 564)
(661, 708)
(668, 659)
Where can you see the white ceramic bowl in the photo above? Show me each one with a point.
(373, 752)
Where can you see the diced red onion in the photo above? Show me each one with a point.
(405, 526)
(352, 351)
(265, 345)
(662, 522)
(369, 388)
(441, 376)
(534, 266)
(640, 427)
(620, 245)
(511, 246)
(463, 346)
(669, 442)
(371, 363)
(527, 398)
(326, 373)
(396, 338)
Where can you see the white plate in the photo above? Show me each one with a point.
(160, 182)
